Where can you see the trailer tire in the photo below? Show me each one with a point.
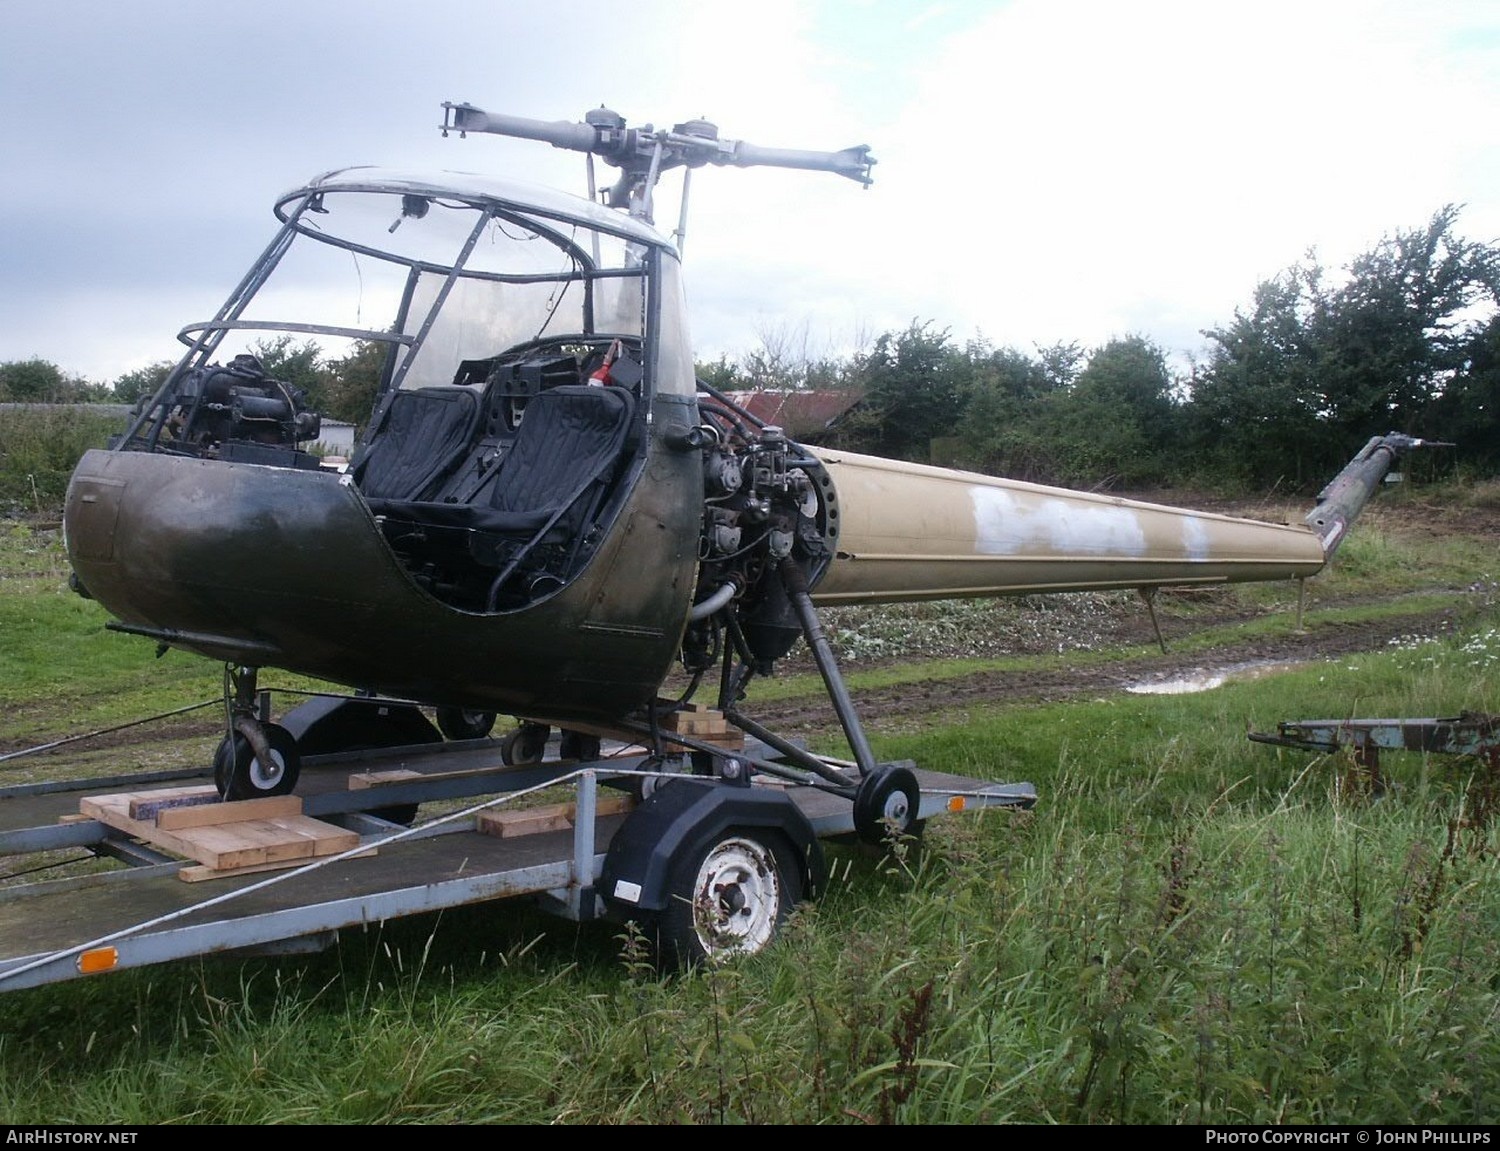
(728, 898)
(239, 775)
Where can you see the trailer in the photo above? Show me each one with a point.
(1466, 734)
(707, 842)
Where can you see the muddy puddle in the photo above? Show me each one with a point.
(1210, 678)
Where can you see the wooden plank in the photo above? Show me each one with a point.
(113, 810)
(199, 873)
(509, 824)
(146, 805)
(240, 811)
(697, 723)
(730, 741)
(266, 841)
(363, 780)
(227, 845)
(556, 817)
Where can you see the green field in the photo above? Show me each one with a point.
(1188, 928)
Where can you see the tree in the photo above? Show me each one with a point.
(1295, 387)
(33, 381)
(131, 386)
(1255, 407)
(722, 373)
(1397, 331)
(1118, 420)
(300, 365)
(1003, 424)
(1468, 411)
(914, 385)
(352, 384)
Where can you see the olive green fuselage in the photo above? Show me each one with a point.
(281, 567)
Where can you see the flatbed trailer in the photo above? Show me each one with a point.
(629, 825)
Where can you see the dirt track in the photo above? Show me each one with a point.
(892, 706)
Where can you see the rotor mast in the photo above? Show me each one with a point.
(643, 154)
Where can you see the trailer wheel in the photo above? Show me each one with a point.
(464, 722)
(886, 804)
(728, 899)
(239, 775)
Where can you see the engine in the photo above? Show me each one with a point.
(766, 500)
(234, 411)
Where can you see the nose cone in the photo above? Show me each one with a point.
(244, 562)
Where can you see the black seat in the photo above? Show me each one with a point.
(422, 436)
(568, 442)
(548, 485)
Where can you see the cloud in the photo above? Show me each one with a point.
(1047, 171)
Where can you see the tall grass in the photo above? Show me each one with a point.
(38, 449)
(1188, 928)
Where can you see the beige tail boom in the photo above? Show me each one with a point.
(914, 532)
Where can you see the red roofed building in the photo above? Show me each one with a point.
(806, 416)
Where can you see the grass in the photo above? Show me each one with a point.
(1189, 928)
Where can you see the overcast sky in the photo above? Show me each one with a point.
(1047, 170)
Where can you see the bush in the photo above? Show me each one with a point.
(39, 448)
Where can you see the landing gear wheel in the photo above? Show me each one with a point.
(728, 899)
(238, 774)
(886, 804)
(464, 723)
(525, 745)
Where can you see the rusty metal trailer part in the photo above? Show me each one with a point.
(1468, 733)
(143, 913)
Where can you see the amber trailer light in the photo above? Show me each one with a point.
(98, 959)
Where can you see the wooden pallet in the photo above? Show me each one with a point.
(223, 838)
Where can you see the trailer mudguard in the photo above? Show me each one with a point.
(327, 724)
(685, 815)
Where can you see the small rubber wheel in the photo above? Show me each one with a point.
(239, 775)
(464, 722)
(526, 744)
(886, 804)
(729, 899)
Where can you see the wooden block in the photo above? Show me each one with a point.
(556, 817)
(240, 811)
(264, 841)
(222, 846)
(198, 872)
(533, 821)
(363, 780)
(697, 722)
(111, 809)
(729, 741)
(146, 805)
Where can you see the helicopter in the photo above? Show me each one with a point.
(548, 514)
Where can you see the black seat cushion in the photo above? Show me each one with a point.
(423, 435)
(569, 440)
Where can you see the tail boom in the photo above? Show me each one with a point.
(914, 532)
